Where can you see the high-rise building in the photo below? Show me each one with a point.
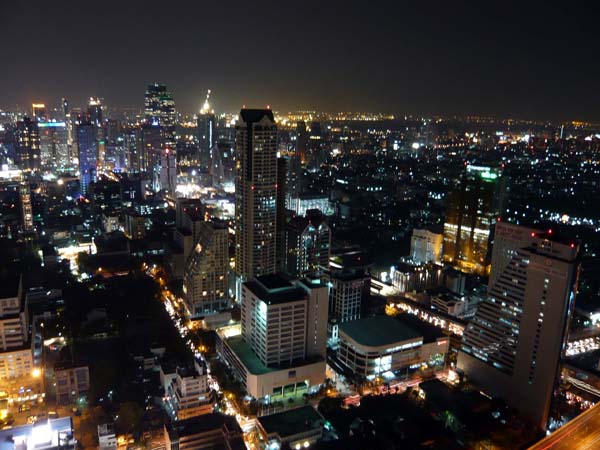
(472, 209)
(301, 141)
(308, 243)
(95, 111)
(282, 169)
(280, 322)
(280, 347)
(425, 246)
(350, 283)
(54, 150)
(206, 132)
(513, 345)
(255, 193)
(87, 146)
(25, 201)
(160, 110)
(28, 156)
(205, 275)
(38, 112)
(161, 119)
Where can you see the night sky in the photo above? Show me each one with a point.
(540, 60)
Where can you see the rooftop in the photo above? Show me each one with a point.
(255, 115)
(289, 423)
(275, 288)
(201, 424)
(9, 286)
(378, 331)
(247, 356)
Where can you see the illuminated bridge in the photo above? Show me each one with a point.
(581, 433)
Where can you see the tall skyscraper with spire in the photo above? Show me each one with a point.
(206, 133)
(255, 193)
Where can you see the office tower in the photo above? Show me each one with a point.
(425, 246)
(472, 209)
(308, 243)
(54, 150)
(151, 143)
(28, 156)
(168, 171)
(87, 147)
(255, 193)
(280, 347)
(25, 201)
(282, 170)
(301, 141)
(206, 132)
(350, 283)
(190, 214)
(512, 347)
(95, 115)
(217, 172)
(161, 119)
(132, 141)
(294, 181)
(38, 112)
(205, 275)
(95, 111)
(160, 110)
(284, 322)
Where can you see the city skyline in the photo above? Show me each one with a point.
(526, 61)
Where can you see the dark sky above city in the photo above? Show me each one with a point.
(508, 59)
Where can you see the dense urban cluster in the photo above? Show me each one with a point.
(273, 280)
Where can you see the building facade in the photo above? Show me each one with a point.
(255, 193)
(513, 345)
(308, 243)
(472, 210)
(205, 278)
(425, 246)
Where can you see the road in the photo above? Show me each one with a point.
(581, 433)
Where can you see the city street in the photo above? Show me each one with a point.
(581, 433)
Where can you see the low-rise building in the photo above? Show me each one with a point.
(380, 345)
(72, 382)
(107, 438)
(297, 428)
(187, 392)
(209, 431)
(49, 434)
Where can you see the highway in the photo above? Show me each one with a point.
(581, 433)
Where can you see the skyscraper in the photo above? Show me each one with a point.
(255, 193)
(472, 209)
(205, 274)
(28, 156)
(206, 132)
(38, 112)
(160, 110)
(54, 150)
(513, 345)
(87, 147)
(308, 243)
(161, 118)
(282, 170)
(25, 201)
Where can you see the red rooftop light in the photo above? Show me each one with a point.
(532, 234)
